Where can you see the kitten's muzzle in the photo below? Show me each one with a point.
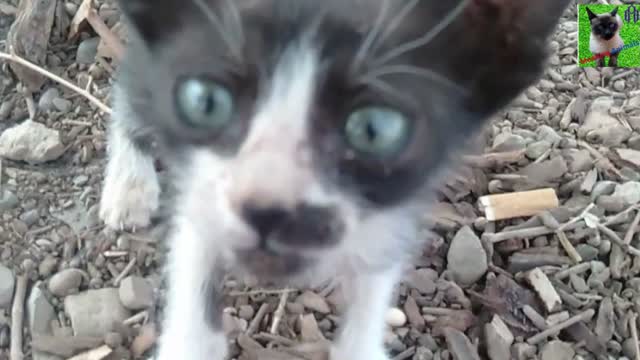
(291, 230)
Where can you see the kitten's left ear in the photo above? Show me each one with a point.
(591, 14)
(154, 19)
(614, 12)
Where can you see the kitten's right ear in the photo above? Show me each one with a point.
(590, 13)
(153, 19)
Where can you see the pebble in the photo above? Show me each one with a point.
(7, 285)
(47, 266)
(62, 105)
(8, 200)
(424, 280)
(45, 103)
(5, 109)
(87, 51)
(136, 293)
(508, 142)
(557, 350)
(70, 8)
(422, 353)
(66, 282)
(587, 252)
(95, 312)
(537, 149)
(80, 180)
(547, 133)
(604, 187)
(466, 259)
(395, 318)
(40, 312)
(315, 302)
(579, 160)
(246, 312)
(634, 142)
(30, 217)
(628, 192)
(31, 142)
(629, 348)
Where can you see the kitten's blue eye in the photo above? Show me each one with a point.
(203, 103)
(377, 131)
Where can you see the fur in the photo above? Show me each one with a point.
(605, 35)
(279, 191)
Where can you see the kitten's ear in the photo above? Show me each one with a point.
(590, 13)
(153, 19)
(614, 11)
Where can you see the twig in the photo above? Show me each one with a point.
(255, 323)
(555, 330)
(17, 317)
(633, 324)
(277, 316)
(616, 239)
(18, 60)
(125, 271)
(568, 247)
(633, 228)
(259, 292)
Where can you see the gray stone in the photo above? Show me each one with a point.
(30, 217)
(62, 105)
(46, 99)
(634, 142)
(424, 280)
(466, 259)
(604, 187)
(7, 285)
(8, 200)
(31, 142)
(136, 293)
(40, 312)
(601, 127)
(579, 160)
(95, 312)
(587, 252)
(66, 282)
(315, 302)
(87, 51)
(547, 133)
(557, 350)
(629, 192)
(5, 109)
(537, 149)
(629, 348)
(508, 142)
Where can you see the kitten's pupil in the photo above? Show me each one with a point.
(371, 132)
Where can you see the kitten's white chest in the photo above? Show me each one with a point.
(598, 46)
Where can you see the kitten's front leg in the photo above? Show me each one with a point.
(192, 328)
(613, 60)
(363, 325)
(600, 62)
(131, 189)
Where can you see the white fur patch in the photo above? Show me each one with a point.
(131, 190)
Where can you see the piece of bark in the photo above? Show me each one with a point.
(518, 204)
(547, 293)
(28, 38)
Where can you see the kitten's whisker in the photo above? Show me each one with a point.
(236, 19)
(397, 20)
(371, 38)
(379, 85)
(416, 71)
(424, 40)
(218, 26)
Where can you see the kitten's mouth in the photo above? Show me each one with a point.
(269, 264)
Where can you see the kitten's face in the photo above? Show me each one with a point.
(307, 129)
(605, 26)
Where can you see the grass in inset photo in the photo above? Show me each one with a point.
(630, 33)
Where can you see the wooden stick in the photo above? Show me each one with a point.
(633, 324)
(555, 330)
(17, 317)
(277, 316)
(518, 204)
(18, 60)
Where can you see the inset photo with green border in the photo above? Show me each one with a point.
(628, 53)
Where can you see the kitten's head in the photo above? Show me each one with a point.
(605, 26)
(307, 129)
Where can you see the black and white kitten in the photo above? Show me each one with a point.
(301, 135)
(605, 35)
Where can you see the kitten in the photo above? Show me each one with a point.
(605, 35)
(304, 138)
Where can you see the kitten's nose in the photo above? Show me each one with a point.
(265, 220)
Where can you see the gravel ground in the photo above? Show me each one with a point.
(560, 285)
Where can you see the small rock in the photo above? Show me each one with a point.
(87, 51)
(618, 85)
(5, 109)
(314, 302)
(629, 192)
(46, 99)
(144, 341)
(424, 280)
(422, 353)
(546, 171)
(605, 187)
(499, 339)
(634, 142)
(460, 346)
(579, 160)
(547, 133)
(557, 350)
(309, 330)
(466, 259)
(31, 142)
(246, 312)
(592, 75)
(508, 142)
(629, 348)
(587, 252)
(413, 314)
(30, 217)
(40, 312)
(62, 105)
(8, 200)
(80, 180)
(605, 323)
(136, 293)
(396, 318)
(7, 285)
(95, 312)
(66, 282)
(537, 149)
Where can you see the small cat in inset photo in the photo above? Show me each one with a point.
(605, 35)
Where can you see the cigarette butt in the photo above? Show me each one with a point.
(518, 204)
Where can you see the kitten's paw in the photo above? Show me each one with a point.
(366, 352)
(129, 203)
